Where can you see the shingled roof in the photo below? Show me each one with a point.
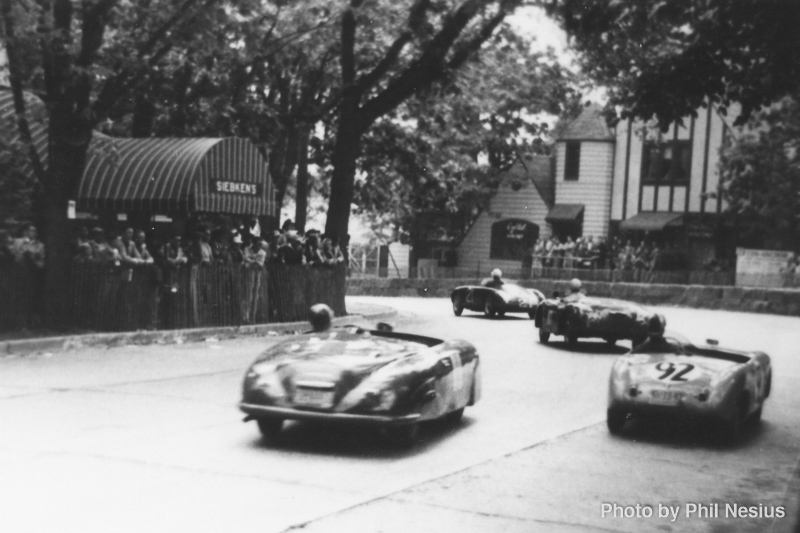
(589, 126)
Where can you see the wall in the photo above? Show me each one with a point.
(525, 203)
(746, 299)
(593, 187)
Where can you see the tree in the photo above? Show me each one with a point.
(761, 178)
(422, 168)
(53, 48)
(382, 65)
(666, 58)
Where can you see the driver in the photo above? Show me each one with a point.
(655, 342)
(575, 293)
(496, 282)
(320, 316)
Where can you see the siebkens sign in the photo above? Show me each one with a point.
(236, 187)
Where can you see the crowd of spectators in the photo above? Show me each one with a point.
(616, 254)
(26, 249)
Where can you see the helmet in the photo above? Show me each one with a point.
(656, 325)
(497, 273)
(320, 316)
(575, 285)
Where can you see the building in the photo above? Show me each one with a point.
(632, 180)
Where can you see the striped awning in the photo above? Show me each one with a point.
(221, 175)
(651, 221)
(160, 176)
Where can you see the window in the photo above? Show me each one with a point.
(572, 161)
(513, 239)
(666, 161)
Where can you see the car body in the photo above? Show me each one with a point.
(351, 375)
(499, 299)
(669, 376)
(578, 315)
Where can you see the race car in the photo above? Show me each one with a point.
(351, 375)
(668, 375)
(577, 316)
(496, 300)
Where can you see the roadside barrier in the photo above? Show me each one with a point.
(104, 297)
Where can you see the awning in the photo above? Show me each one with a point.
(162, 176)
(221, 175)
(565, 213)
(651, 221)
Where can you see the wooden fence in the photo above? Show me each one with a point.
(109, 298)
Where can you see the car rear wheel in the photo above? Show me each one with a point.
(270, 428)
(571, 338)
(544, 336)
(532, 314)
(455, 416)
(731, 429)
(755, 418)
(488, 309)
(458, 306)
(636, 341)
(615, 420)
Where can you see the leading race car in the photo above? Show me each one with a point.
(669, 376)
(578, 315)
(350, 375)
(494, 298)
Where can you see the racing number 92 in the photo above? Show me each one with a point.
(673, 371)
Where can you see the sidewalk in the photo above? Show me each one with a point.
(356, 311)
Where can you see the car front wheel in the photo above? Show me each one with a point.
(270, 428)
(488, 309)
(544, 336)
(403, 436)
(458, 307)
(615, 420)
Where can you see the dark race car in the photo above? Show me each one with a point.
(350, 375)
(669, 376)
(577, 316)
(496, 300)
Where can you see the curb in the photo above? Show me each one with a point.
(175, 336)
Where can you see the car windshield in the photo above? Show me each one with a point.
(516, 290)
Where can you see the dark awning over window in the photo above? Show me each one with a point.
(222, 175)
(651, 221)
(565, 213)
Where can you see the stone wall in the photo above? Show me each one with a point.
(746, 299)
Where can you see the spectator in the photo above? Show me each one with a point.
(601, 251)
(127, 250)
(28, 248)
(6, 248)
(311, 250)
(539, 252)
(81, 238)
(235, 252)
(140, 246)
(84, 253)
(101, 251)
(291, 253)
(173, 252)
(568, 249)
(201, 252)
(331, 253)
(219, 247)
(255, 254)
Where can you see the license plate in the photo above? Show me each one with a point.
(666, 397)
(322, 399)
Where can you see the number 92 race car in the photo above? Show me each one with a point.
(669, 376)
(496, 299)
(349, 375)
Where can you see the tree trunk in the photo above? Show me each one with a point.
(69, 142)
(345, 154)
(301, 202)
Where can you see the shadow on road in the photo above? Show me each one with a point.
(589, 347)
(692, 434)
(357, 441)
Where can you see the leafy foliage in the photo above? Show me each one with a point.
(761, 178)
(667, 58)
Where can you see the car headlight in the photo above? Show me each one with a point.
(265, 377)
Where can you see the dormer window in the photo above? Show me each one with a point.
(572, 161)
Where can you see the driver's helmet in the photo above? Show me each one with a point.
(497, 274)
(575, 285)
(656, 325)
(320, 316)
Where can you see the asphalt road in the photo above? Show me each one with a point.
(149, 439)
